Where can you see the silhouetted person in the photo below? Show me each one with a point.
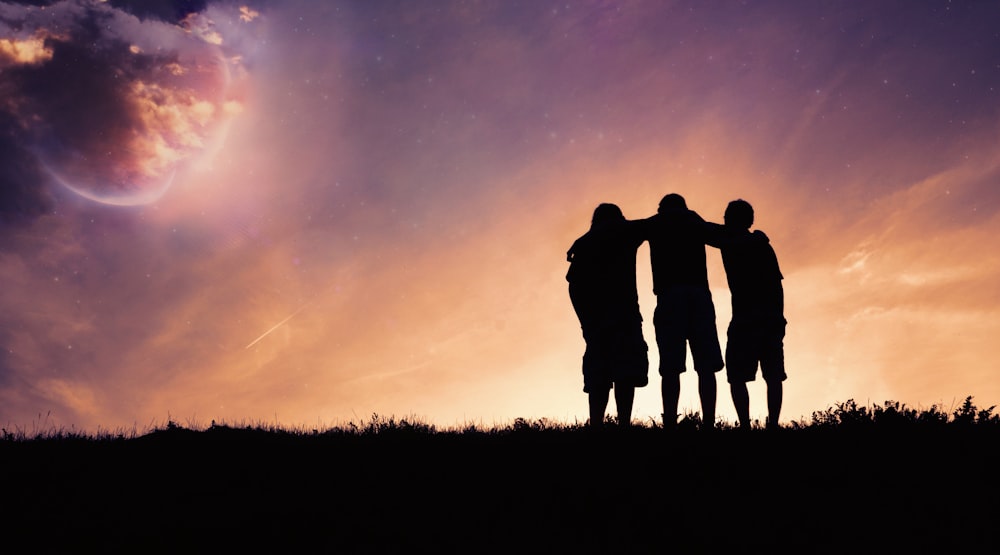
(602, 288)
(685, 313)
(757, 329)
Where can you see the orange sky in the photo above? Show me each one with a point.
(382, 227)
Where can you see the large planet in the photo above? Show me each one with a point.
(114, 117)
(164, 123)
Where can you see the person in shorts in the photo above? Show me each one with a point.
(602, 288)
(685, 312)
(757, 329)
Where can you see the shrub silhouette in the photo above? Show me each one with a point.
(848, 415)
(893, 414)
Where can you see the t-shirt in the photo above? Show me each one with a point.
(603, 259)
(753, 274)
(677, 241)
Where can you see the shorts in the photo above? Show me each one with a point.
(621, 361)
(753, 344)
(616, 353)
(685, 315)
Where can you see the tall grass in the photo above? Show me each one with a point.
(848, 415)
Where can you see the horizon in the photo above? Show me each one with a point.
(314, 213)
(846, 415)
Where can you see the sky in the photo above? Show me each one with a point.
(307, 213)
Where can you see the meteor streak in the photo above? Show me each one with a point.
(278, 325)
(293, 314)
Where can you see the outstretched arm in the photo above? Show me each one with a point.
(640, 230)
(715, 234)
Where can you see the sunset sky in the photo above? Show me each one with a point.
(305, 213)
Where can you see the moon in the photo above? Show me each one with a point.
(169, 123)
(141, 196)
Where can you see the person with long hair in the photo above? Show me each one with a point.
(602, 288)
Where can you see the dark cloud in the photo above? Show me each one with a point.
(42, 115)
(91, 115)
(34, 2)
(92, 95)
(22, 198)
(166, 10)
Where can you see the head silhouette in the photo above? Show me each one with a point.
(739, 214)
(672, 203)
(606, 213)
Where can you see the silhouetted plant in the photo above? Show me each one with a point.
(890, 415)
(379, 425)
(932, 416)
(893, 414)
(725, 425)
(524, 425)
(986, 416)
(800, 424)
(690, 421)
(967, 414)
(520, 424)
(846, 414)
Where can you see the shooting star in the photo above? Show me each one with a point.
(276, 326)
(292, 315)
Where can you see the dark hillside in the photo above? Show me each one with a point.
(532, 487)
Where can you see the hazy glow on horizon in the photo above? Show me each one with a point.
(383, 229)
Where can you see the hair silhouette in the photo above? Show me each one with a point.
(672, 202)
(739, 213)
(606, 213)
(602, 289)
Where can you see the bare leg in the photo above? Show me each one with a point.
(670, 387)
(741, 401)
(706, 390)
(598, 405)
(774, 394)
(624, 395)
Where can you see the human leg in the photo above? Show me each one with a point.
(624, 396)
(598, 398)
(775, 391)
(707, 392)
(741, 401)
(671, 341)
(672, 347)
(670, 388)
(741, 367)
(596, 383)
(706, 352)
(772, 366)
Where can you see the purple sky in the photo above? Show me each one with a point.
(307, 212)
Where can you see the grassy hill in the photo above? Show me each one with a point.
(866, 479)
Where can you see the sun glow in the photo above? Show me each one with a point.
(340, 212)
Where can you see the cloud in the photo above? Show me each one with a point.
(173, 11)
(21, 198)
(395, 199)
(149, 89)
